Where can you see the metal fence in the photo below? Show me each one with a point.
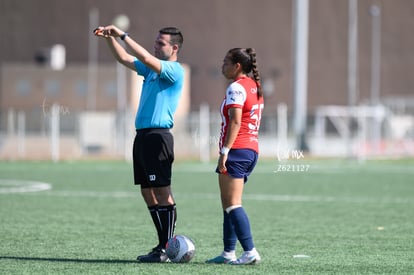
(56, 134)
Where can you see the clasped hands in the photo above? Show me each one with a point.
(108, 31)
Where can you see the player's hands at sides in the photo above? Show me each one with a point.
(222, 164)
(108, 31)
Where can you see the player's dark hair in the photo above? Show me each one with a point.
(247, 59)
(176, 36)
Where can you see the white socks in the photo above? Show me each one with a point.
(229, 255)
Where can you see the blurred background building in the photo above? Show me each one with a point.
(62, 96)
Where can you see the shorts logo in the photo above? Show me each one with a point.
(151, 177)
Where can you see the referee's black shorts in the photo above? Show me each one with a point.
(153, 155)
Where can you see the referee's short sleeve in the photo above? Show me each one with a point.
(171, 71)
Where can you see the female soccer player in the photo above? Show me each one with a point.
(241, 113)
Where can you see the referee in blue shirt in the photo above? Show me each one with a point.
(153, 151)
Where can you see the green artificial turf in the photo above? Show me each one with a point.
(337, 217)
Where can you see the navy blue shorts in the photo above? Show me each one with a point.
(240, 163)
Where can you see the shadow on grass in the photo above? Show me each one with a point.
(93, 261)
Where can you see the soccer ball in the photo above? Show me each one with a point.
(180, 249)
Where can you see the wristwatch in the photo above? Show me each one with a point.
(124, 36)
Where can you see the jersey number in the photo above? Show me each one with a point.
(255, 116)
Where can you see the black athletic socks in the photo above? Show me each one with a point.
(156, 220)
(168, 217)
(164, 218)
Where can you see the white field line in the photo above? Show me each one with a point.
(8, 186)
(216, 196)
(253, 197)
(22, 186)
(304, 167)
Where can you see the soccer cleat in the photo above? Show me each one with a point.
(157, 255)
(224, 258)
(247, 258)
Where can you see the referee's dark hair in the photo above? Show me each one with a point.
(176, 35)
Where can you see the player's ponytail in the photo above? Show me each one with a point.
(247, 59)
(255, 71)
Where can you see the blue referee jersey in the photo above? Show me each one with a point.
(160, 95)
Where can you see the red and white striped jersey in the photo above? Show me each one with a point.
(242, 93)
